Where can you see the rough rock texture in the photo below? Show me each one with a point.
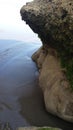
(52, 20)
(49, 20)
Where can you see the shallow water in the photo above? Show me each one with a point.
(21, 100)
(16, 71)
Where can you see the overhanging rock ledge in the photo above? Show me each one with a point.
(52, 20)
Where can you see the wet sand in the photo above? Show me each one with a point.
(33, 109)
(21, 100)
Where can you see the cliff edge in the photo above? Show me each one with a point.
(52, 20)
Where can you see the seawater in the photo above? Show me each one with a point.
(21, 100)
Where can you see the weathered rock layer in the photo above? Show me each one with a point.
(52, 20)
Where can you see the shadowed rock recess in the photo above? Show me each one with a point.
(52, 20)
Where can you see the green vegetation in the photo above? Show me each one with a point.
(67, 64)
(46, 128)
(64, 45)
(59, 35)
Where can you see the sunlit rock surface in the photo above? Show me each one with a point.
(52, 20)
(38, 128)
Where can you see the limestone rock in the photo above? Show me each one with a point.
(52, 20)
(58, 96)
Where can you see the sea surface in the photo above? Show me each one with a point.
(21, 100)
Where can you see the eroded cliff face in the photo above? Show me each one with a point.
(52, 20)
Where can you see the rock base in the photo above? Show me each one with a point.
(58, 96)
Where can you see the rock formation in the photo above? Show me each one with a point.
(52, 20)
